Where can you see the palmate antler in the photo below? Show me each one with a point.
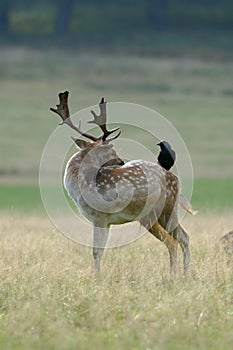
(100, 120)
(63, 111)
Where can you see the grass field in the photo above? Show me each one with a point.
(48, 296)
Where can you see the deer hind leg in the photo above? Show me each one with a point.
(171, 243)
(183, 239)
(100, 236)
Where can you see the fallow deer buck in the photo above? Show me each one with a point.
(108, 191)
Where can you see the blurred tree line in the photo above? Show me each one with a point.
(59, 18)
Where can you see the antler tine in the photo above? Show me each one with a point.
(114, 137)
(100, 120)
(63, 111)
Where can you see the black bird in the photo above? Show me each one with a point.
(166, 156)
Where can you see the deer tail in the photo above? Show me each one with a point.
(184, 203)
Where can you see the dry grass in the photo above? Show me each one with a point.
(49, 298)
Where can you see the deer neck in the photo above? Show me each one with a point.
(81, 170)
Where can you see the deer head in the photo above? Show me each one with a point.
(103, 149)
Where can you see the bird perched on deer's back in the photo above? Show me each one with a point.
(166, 156)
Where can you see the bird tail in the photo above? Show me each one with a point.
(184, 203)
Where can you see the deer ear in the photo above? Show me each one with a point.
(80, 143)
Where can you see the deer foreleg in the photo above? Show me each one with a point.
(100, 236)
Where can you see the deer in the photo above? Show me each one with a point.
(109, 191)
(226, 241)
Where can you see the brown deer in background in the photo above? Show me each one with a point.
(108, 191)
(226, 242)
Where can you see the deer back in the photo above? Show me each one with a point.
(123, 193)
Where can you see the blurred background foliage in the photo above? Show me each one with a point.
(132, 24)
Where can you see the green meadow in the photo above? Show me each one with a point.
(215, 194)
(48, 296)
